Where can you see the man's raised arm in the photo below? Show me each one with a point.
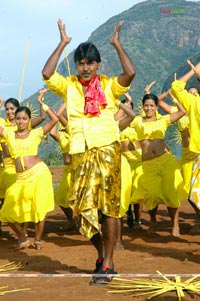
(52, 61)
(129, 72)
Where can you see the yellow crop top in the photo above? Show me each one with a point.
(23, 147)
(64, 141)
(151, 129)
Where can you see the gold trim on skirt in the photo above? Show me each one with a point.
(96, 185)
(8, 162)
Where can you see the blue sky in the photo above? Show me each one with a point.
(28, 30)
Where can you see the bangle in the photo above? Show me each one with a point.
(45, 107)
(174, 100)
(147, 92)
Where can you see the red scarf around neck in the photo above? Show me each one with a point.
(94, 96)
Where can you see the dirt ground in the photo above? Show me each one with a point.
(70, 255)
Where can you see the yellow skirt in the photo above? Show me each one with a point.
(160, 183)
(2, 192)
(63, 191)
(96, 185)
(8, 176)
(195, 183)
(30, 198)
(134, 159)
(187, 162)
(126, 185)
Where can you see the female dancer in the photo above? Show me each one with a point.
(8, 173)
(63, 191)
(129, 147)
(161, 181)
(31, 197)
(192, 104)
(188, 157)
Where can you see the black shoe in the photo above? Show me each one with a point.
(130, 221)
(98, 266)
(100, 279)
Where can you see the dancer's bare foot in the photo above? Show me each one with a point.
(37, 245)
(176, 231)
(22, 245)
(119, 246)
(152, 227)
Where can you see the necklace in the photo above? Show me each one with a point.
(22, 134)
(150, 119)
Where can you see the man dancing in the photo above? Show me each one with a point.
(91, 101)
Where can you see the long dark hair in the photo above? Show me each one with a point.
(13, 101)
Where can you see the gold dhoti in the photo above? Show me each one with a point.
(96, 185)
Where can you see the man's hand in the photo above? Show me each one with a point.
(63, 35)
(114, 39)
(196, 68)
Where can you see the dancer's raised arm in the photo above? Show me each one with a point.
(52, 61)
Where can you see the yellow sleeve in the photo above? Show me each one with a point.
(40, 132)
(167, 120)
(117, 89)
(57, 84)
(113, 90)
(64, 141)
(181, 94)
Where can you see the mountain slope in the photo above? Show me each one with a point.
(158, 35)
